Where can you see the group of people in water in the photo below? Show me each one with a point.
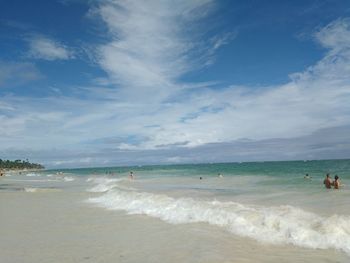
(328, 182)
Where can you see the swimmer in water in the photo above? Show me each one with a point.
(328, 181)
(336, 182)
(307, 176)
(131, 175)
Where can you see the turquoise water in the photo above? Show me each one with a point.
(282, 174)
(257, 183)
(242, 180)
(279, 169)
(270, 202)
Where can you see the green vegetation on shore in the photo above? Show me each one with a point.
(19, 165)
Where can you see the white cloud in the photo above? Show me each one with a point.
(148, 111)
(41, 47)
(150, 46)
(312, 100)
(16, 73)
(335, 35)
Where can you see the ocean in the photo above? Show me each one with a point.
(269, 203)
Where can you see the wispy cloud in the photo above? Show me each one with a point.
(311, 100)
(16, 73)
(145, 113)
(151, 44)
(41, 47)
(335, 35)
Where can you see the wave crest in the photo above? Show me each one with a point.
(278, 225)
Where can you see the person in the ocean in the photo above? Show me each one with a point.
(307, 176)
(327, 181)
(131, 175)
(336, 182)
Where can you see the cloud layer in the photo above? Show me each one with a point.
(41, 47)
(142, 111)
(151, 45)
(17, 73)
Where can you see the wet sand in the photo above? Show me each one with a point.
(59, 226)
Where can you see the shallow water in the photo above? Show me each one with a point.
(270, 203)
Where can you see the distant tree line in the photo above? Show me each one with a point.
(19, 164)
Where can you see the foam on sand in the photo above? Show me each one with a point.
(30, 189)
(37, 190)
(277, 225)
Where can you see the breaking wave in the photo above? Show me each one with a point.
(32, 174)
(102, 184)
(68, 179)
(277, 225)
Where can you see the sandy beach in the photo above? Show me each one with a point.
(52, 222)
(162, 131)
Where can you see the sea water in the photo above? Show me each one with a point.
(270, 202)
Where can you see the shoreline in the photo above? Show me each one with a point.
(18, 171)
(49, 217)
(72, 231)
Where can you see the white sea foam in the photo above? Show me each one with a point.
(279, 225)
(30, 190)
(41, 190)
(68, 179)
(32, 174)
(103, 184)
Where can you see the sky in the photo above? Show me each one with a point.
(87, 83)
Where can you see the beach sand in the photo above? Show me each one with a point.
(58, 225)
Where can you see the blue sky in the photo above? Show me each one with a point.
(102, 83)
